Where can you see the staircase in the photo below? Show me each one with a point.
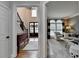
(21, 23)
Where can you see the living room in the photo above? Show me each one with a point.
(63, 29)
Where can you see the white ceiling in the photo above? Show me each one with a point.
(59, 9)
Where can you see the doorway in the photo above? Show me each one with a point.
(27, 32)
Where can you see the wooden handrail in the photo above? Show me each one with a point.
(21, 22)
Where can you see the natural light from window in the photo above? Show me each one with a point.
(55, 26)
(34, 11)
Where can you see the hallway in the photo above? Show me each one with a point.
(32, 45)
(30, 50)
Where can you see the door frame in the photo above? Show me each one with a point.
(42, 16)
(14, 43)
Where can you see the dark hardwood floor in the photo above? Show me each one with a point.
(27, 54)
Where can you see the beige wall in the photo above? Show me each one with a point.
(25, 14)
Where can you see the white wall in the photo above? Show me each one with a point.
(75, 23)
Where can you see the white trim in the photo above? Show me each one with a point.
(43, 30)
(14, 40)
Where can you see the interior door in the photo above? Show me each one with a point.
(33, 29)
(4, 29)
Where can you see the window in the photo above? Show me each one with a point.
(59, 26)
(52, 27)
(55, 26)
(34, 11)
(36, 27)
(33, 29)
